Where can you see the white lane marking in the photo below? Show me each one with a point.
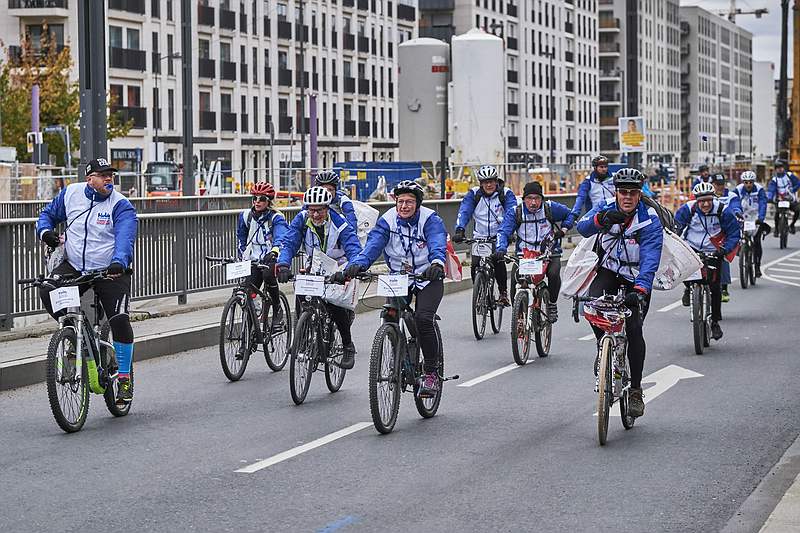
(782, 276)
(773, 269)
(670, 307)
(294, 452)
(492, 374)
(588, 337)
(775, 262)
(664, 379)
(791, 260)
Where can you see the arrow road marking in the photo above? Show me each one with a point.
(779, 279)
(664, 379)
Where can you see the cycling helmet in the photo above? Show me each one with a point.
(702, 168)
(409, 186)
(748, 175)
(488, 172)
(317, 196)
(718, 178)
(703, 189)
(263, 188)
(327, 177)
(599, 160)
(628, 178)
(780, 163)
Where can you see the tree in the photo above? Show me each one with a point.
(49, 66)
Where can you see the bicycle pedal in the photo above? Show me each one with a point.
(453, 377)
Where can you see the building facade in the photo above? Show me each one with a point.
(246, 62)
(716, 88)
(764, 110)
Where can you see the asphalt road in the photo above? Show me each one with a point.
(516, 452)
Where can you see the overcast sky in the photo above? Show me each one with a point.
(766, 30)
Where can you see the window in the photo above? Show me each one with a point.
(205, 101)
(170, 63)
(133, 39)
(224, 51)
(204, 49)
(255, 65)
(281, 10)
(283, 60)
(225, 105)
(116, 93)
(156, 110)
(169, 9)
(255, 105)
(55, 33)
(283, 107)
(114, 36)
(171, 108)
(134, 96)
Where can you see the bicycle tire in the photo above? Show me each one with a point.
(783, 231)
(605, 395)
(302, 359)
(513, 277)
(496, 310)
(110, 394)
(59, 389)
(627, 421)
(744, 274)
(752, 269)
(479, 306)
(276, 350)
(707, 315)
(427, 407)
(520, 344)
(229, 332)
(698, 319)
(544, 328)
(385, 419)
(334, 374)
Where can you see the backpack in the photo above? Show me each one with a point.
(666, 216)
(548, 214)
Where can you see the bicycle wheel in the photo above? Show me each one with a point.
(67, 392)
(744, 274)
(384, 379)
(496, 310)
(783, 231)
(234, 338)
(520, 330)
(751, 262)
(304, 348)
(544, 328)
(479, 306)
(278, 342)
(427, 407)
(110, 394)
(605, 395)
(698, 318)
(707, 316)
(334, 374)
(627, 420)
(513, 277)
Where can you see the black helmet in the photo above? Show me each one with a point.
(780, 163)
(327, 177)
(702, 168)
(628, 178)
(599, 160)
(718, 178)
(409, 186)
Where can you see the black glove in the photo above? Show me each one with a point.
(282, 273)
(719, 254)
(559, 233)
(759, 222)
(115, 269)
(611, 217)
(434, 272)
(499, 255)
(353, 270)
(338, 277)
(458, 236)
(51, 239)
(634, 299)
(270, 258)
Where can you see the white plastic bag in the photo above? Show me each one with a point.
(367, 217)
(342, 295)
(580, 270)
(678, 262)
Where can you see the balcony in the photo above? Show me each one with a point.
(512, 43)
(284, 124)
(208, 120)
(350, 128)
(569, 115)
(513, 142)
(609, 122)
(228, 121)
(363, 5)
(227, 19)
(227, 70)
(349, 41)
(610, 75)
(685, 49)
(363, 87)
(568, 27)
(513, 110)
(130, 6)
(610, 98)
(206, 68)
(267, 76)
(206, 16)
(350, 85)
(608, 24)
(37, 4)
(511, 10)
(437, 5)
(405, 12)
(284, 77)
(363, 128)
(300, 34)
(570, 144)
(15, 53)
(512, 76)
(284, 29)
(443, 33)
(348, 3)
(301, 82)
(569, 57)
(137, 114)
(363, 44)
(569, 86)
(607, 48)
(127, 58)
(244, 126)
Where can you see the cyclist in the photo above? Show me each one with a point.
(753, 200)
(413, 239)
(630, 242)
(598, 187)
(259, 231)
(340, 202)
(708, 227)
(100, 232)
(733, 203)
(317, 227)
(534, 222)
(784, 185)
(488, 204)
(703, 175)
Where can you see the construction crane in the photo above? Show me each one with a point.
(733, 11)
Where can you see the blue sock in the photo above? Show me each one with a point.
(124, 357)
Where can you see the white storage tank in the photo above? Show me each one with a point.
(422, 98)
(477, 107)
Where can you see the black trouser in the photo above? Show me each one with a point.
(343, 318)
(500, 272)
(267, 277)
(757, 250)
(713, 278)
(609, 282)
(554, 278)
(428, 300)
(794, 207)
(114, 294)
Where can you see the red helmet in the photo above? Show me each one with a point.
(263, 189)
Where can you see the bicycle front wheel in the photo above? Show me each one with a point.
(334, 373)
(427, 407)
(234, 338)
(303, 358)
(67, 391)
(496, 310)
(698, 318)
(744, 270)
(520, 328)
(783, 225)
(480, 308)
(605, 394)
(544, 328)
(278, 336)
(385, 379)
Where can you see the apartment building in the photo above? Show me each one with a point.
(246, 58)
(716, 88)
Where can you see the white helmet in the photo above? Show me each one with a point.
(703, 189)
(317, 196)
(748, 175)
(488, 172)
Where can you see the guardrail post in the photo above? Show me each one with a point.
(181, 260)
(7, 279)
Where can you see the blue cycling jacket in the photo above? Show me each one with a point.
(264, 231)
(534, 227)
(698, 228)
(340, 242)
(754, 203)
(487, 211)
(343, 205)
(731, 200)
(592, 192)
(786, 184)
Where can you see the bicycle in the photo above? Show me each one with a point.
(80, 357)
(700, 298)
(612, 372)
(783, 205)
(484, 302)
(529, 310)
(396, 362)
(747, 269)
(244, 326)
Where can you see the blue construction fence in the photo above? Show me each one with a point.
(362, 178)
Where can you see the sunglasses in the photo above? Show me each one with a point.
(261, 198)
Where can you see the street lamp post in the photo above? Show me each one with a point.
(157, 120)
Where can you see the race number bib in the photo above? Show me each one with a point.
(392, 285)
(481, 249)
(749, 225)
(306, 285)
(783, 204)
(65, 297)
(237, 270)
(531, 267)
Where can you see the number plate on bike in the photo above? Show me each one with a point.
(749, 225)
(305, 285)
(65, 297)
(531, 267)
(481, 249)
(237, 270)
(392, 285)
(783, 204)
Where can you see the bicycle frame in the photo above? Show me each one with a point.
(321, 323)
(398, 312)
